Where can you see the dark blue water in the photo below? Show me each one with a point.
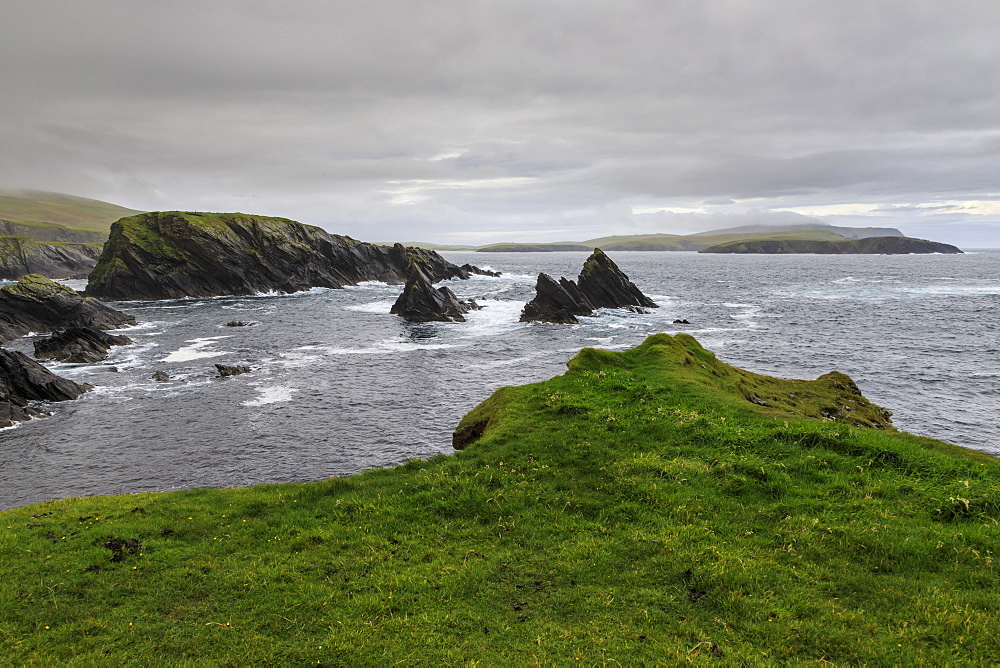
(339, 385)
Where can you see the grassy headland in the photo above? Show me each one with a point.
(651, 506)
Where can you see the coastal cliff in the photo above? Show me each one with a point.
(172, 254)
(20, 255)
(866, 246)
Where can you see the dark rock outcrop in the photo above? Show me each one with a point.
(160, 376)
(226, 370)
(606, 286)
(23, 380)
(21, 255)
(601, 284)
(38, 304)
(239, 323)
(78, 345)
(169, 255)
(867, 246)
(422, 302)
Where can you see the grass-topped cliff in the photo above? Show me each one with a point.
(175, 254)
(651, 506)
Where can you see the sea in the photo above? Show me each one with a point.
(338, 385)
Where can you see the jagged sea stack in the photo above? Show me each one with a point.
(601, 284)
(38, 304)
(174, 254)
(422, 302)
(606, 286)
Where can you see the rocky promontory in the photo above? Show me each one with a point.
(866, 246)
(38, 304)
(422, 302)
(21, 255)
(23, 380)
(601, 284)
(78, 345)
(173, 254)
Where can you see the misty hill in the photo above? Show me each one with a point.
(47, 216)
(659, 242)
(847, 232)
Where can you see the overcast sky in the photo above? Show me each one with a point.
(480, 121)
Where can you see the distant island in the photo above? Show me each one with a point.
(779, 235)
(869, 246)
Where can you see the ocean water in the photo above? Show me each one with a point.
(339, 385)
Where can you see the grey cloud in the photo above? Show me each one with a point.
(321, 110)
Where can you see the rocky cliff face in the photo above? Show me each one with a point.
(867, 246)
(169, 255)
(22, 380)
(422, 302)
(37, 304)
(50, 232)
(601, 284)
(21, 255)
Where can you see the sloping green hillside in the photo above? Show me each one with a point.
(59, 209)
(653, 506)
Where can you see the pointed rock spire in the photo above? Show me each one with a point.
(422, 302)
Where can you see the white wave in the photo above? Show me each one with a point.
(271, 395)
(367, 284)
(496, 317)
(381, 306)
(196, 350)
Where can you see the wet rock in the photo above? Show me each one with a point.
(601, 285)
(239, 323)
(160, 376)
(422, 302)
(23, 380)
(473, 269)
(225, 370)
(681, 322)
(39, 304)
(78, 345)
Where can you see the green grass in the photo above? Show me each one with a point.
(662, 242)
(643, 508)
(66, 210)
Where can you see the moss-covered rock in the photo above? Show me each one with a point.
(20, 255)
(38, 304)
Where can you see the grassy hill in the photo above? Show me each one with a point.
(653, 506)
(660, 242)
(44, 210)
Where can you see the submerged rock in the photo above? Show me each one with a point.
(225, 370)
(160, 376)
(601, 284)
(422, 302)
(173, 254)
(239, 323)
(78, 345)
(38, 304)
(23, 380)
